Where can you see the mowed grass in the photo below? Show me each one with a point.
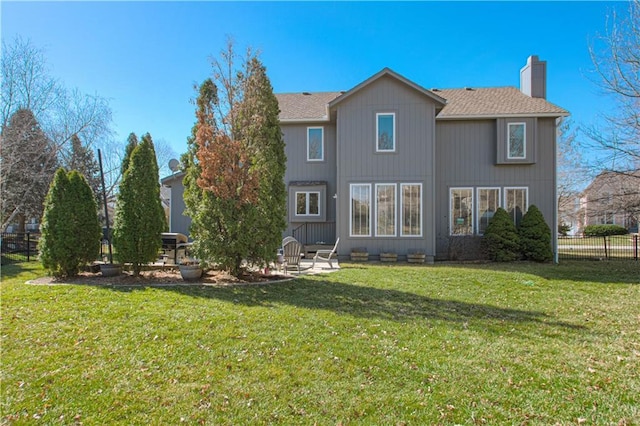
(371, 344)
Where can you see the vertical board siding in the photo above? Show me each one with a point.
(410, 163)
(466, 157)
(299, 169)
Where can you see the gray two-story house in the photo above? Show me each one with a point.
(393, 167)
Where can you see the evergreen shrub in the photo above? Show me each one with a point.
(604, 230)
(501, 241)
(535, 236)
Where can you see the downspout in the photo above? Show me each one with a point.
(554, 230)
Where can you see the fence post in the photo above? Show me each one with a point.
(635, 239)
(606, 255)
(28, 246)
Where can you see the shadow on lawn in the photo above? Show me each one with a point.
(605, 272)
(365, 302)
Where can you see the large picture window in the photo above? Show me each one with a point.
(461, 211)
(516, 203)
(517, 142)
(315, 144)
(386, 132)
(307, 204)
(411, 208)
(360, 213)
(488, 202)
(385, 210)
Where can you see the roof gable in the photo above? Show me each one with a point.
(390, 73)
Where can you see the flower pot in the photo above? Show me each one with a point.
(190, 272)
(416, 257)
(110, 269)
(357, 256)
(388, 257)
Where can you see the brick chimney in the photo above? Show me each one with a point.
(533, 78)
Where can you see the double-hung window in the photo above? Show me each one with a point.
(411, 209)
(385, 210)
(517, 141)
(360, 210)
(385, 132)
(488, 202)
(461, 211)
(307, 203)
(315, 144)
(516, 202)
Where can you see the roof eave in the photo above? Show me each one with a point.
(491, 116)
(304, 120)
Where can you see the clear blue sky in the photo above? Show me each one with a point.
(146, 56)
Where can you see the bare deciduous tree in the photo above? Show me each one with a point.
(28, 85)
(616, 59)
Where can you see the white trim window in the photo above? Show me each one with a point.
(411, 209)
(307, 203)
(517, 141)
(385, 132)
(360, 210)
(315, 143)
(385, 209)
(461, 211)
(516, 202)
(488, 203)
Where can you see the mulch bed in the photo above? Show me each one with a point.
(167, 277)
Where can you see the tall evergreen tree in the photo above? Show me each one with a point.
(132, 142)
(29, 161)
(260, 128)
(83, 160)
(234, 183)
(139, 217)
(70, 228)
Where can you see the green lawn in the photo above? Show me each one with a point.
(371, 344)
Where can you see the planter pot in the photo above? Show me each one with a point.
(416, 257)
(190, 272)
(359, 256)
(388, 257)
(110, 269)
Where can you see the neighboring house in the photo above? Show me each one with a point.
(392, 166)
(612, 198)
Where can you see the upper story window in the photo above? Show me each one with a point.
(385, 132)
(517, 142)
(308, 203)
(315, 144)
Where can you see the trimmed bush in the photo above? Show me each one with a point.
(70, 227)
(535, 236)
(604, 230)
(501, 241)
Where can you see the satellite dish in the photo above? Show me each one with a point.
(174, 165)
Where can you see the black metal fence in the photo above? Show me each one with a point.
(19, 246)
(590, 248)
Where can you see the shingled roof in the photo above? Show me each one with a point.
(461, 104)
(494, 102)
(305, 106)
